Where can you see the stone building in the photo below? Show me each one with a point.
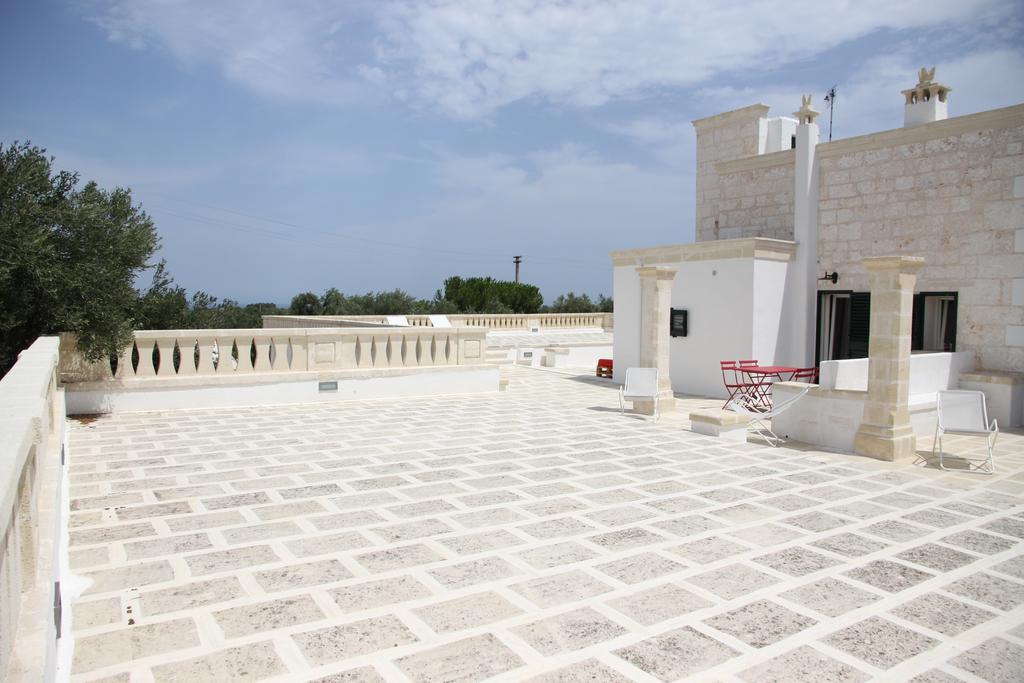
(777, 210)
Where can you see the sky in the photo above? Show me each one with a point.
(296, 146)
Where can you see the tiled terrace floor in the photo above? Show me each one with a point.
(530, 533)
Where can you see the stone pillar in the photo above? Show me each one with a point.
(655, 307)
(885, 431)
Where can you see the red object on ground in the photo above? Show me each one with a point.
(604, 367)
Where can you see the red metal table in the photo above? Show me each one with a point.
(761, 379)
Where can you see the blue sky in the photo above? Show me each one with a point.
(291, 146)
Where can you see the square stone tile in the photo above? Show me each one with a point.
(708, 550)
(473, 572)
(103, 612)
(760, 623)
(989, 590)
(344, 641)
(880, 642)
(1009, 526)
(327, 545)
(252, 662)
(129, 576)
(362, 674)
(547, 556)
(676, 654)
(732, 581)
(657, 604)
(620, 516)
(556, 528)
(893, 530)
(945, 615)
(370, 594)
(568, 631)
(466, 612)
(587, 670)
(135, 642)
(558, 589)
(815, 521)
(796, 561)
(188, 596)
(464, 661)
(302, 575)
(398, 558)
(979, 542)
(481, 542)
(937, 518)
(888, 576)
(267, 616)
(996, 660)
(638, 568)
(688, 526)
(626, 539)
(803, 665)
(937, 557)
(766, 535)
(830, 596)
(230, 560)
(1014, 567)
(849, 545)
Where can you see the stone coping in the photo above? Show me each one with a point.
(564, 347)
(200, 381)
(747, 112)
(718, 416)
(785, 157)
(763, 248)
(993, 377)
(1005, 117)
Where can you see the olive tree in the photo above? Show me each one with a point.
(69, 256)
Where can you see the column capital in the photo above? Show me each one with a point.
(903, 264)
(657, 272)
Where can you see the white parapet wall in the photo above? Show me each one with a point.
(829, 415)
(172, 369)
(31, 444)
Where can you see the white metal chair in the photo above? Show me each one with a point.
(641, 385)
(757, 420)
(964, 412)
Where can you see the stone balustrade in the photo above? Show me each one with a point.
(490, 321)
(31, 442)
(156, 354)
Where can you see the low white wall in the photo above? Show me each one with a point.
(830, 414)
(31, 441)
(253, 390)
(1004, 395)
(576, 356)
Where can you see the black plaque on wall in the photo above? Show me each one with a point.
(678, 323)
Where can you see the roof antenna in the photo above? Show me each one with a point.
(830, 97)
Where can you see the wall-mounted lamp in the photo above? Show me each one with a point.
(834, 277)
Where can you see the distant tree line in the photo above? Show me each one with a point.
(70, 257)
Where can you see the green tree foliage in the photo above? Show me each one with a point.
(69, 256)
(487, 295)
(571, 303)
(306, 303)
(164, 306)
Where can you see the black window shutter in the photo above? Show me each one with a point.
(917, 324)
(860, 324)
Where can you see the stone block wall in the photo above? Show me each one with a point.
(757, 202)
(951, 192)
(724, 137)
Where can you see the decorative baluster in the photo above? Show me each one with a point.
(206, 354)
(187, 352)
(124, 362)
(146, 368)
(225, 363)
(262, 354)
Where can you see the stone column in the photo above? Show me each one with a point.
(885, 431)
(655, 306)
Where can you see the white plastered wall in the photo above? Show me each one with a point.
(626, 342)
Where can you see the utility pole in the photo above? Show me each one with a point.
(830, 97)
(517, 260)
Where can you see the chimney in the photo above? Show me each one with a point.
(926, 102)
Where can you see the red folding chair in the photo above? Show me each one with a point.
(732, 378)
(806, 375)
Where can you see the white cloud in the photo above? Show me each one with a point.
(469, 59)
(301, 50)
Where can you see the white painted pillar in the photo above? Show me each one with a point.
(802, 285)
